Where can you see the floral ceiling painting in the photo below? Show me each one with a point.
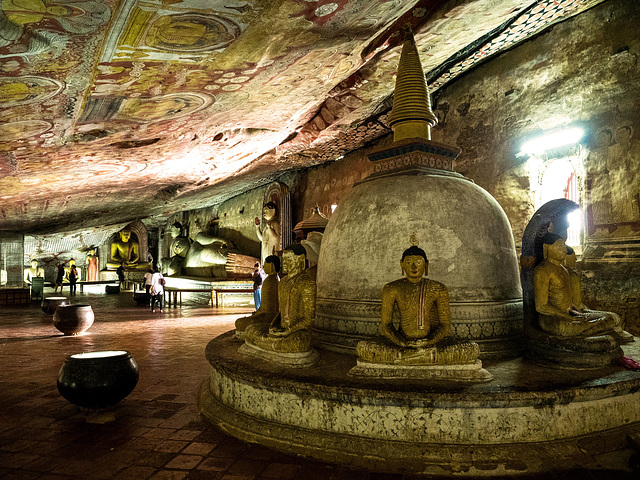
(118, 109)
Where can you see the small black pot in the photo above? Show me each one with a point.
(97, 380)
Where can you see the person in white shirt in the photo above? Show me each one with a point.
(147, 285)
(156, 290)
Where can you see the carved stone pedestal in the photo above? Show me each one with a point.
(293, 360)
(457, 373)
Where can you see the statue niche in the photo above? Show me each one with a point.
(559, 328)
(421, 346)
(274, 230)
(287, 339)
(129, 246)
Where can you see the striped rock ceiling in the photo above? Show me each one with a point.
(112, 110)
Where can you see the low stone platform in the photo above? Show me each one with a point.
(529, 419)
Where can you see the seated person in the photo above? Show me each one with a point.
(269, 305)
(124, 250)
(423, 335)
(289, 330)
(558, 298)
(32, 272)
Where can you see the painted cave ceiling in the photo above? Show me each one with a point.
(119, 109)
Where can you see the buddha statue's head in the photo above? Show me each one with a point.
(293, 259)
(34, 263)
(72, 262)
(271, 265)
(414, 263)
(554, 247)
(175, 229)
(125, 235)
(269, 211)
(571, 260)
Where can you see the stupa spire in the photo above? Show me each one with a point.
(411, 115)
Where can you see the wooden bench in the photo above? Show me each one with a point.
(176, 293)
(221, 291)
(82, 283)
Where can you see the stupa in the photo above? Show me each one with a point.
(415, 191)
(528, 419)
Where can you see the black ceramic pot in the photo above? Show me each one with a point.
(49, 304)
(73, 319)
(97, 380)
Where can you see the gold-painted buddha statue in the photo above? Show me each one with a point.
(269, 304)
(423, 333)
(287, 339)
(34, 271)
(124, 250)
(558, 297)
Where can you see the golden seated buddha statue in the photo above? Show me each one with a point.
(558, 298)
(423, 334)
(288, 333)
(124, 250)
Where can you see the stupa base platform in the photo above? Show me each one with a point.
(529, 419)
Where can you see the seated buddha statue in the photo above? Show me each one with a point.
(288, 331)
(124, 250)
(423, 334)
(269, 304)
(558, 297)
(34, 271)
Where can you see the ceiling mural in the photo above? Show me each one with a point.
(112, 110)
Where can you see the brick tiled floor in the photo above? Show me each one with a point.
(155, 433)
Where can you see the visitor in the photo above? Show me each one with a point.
(59, 277)
(120, 273)
(147, 285)
(73, 278)
(258, 277)
(156, 289)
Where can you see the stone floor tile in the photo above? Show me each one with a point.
(215, 464)
(197, 448)
(184, 462)
(171, 446)
(245, 466)
(186, 435)
(169, 475)
(154, 459)
(136, 472)
(280, 471)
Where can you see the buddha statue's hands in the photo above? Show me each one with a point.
(420, 343)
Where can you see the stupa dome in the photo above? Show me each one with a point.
(468, 241)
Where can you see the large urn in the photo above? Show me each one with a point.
(97, 380)
(50, 304)
(73, 319)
